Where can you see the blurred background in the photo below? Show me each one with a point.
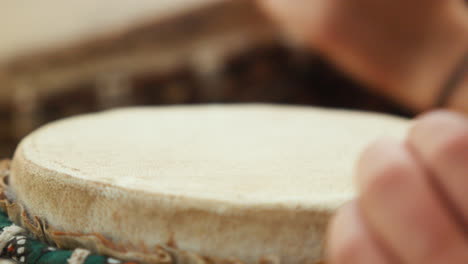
(213, 52)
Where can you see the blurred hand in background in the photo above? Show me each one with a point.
(412, 204)
(406, 50)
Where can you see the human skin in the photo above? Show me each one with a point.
(412, 205)
(406, 50)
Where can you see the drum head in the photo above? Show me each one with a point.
(223, 181)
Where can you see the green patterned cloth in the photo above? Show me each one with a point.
(23, 249)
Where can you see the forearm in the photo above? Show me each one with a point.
(457, 95)
(406, 50)
(431, 75)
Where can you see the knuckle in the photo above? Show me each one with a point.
(453, 145)
(374, 150)
(440, 136)
(391, 174)
(346, 251)
(383, 165)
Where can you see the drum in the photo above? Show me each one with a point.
(61, 59)
(241, 183)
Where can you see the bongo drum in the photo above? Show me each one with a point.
(245, 183)
(59, 59)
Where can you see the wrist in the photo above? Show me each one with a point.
(458, 100)
(437, 76)
(434, 74)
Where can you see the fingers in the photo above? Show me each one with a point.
(440, 140)
(350, 242)
(400, 206)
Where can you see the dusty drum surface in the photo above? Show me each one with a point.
(220, 182)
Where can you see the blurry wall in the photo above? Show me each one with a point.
(219, 51)
(270, 74)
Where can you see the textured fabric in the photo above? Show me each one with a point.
(24, 249)
(46, 254)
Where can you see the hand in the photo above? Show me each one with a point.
(413, 201)
(404, 49)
